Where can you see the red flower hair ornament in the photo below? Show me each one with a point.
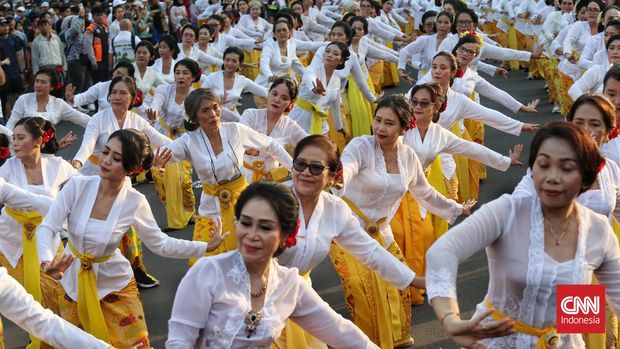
(459, 73)
(601, 166)
(412, 123)
(291, 240)
(48, 135)
(444, 105)
(4, 153)
(137, 101)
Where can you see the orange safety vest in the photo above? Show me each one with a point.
(97, 46)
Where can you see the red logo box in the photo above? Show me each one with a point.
(580, 309)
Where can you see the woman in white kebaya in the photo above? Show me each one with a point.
(253, 24)
(243, 298)
(147, 78)
(189, 49)
(99, 210)
(272, 122)
(168, 50)
(42, 103)
(205, 44)
(592, 79)
(533, 243)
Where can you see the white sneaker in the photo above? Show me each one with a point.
(556, 109)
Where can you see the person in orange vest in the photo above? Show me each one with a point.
(97, 47)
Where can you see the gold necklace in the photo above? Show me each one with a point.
(564, 230)
(259, 293)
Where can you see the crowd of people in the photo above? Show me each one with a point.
(319, 163)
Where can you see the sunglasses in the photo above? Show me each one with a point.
(422, 104)
(315, 169)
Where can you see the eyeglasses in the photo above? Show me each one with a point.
(465, 22)
(422, 104)
(235, 162)
(593, 10)
(429, 24)
(468, 51)
(315, 169)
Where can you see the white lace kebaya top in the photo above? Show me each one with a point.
(213, 300)
(377, 193)
(522, 276)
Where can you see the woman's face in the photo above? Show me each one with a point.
(242, 6)
(592, 12)
(582, 15)
(387, 6)
(356, 9)
(556, 174)
(441, 70)
(613, 52)
(258, 231)
(306, 183)
(255, 11)
(164, 50)
(189, 37)
(449, 8)
(283, 33)
(612, 90)
(423, 106)
(443, 24)
(209, 114)
(143, 56)
(333, 56)
(226, 23)
(386, 127)
(42, 85)
(24, 143)
(279, 99)
(338, 34)
(204, 36)
(609, 32)
(216, 26)
(612, 14)
(111, 161)
(367, 9)
(358, 29)
(298, 8)
(232, 61)
(464, 23)
(467, 53)
(429, 26)
(590, 118)
(120, 97)
(183, 76)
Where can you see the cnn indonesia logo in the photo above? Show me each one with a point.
(580, 309)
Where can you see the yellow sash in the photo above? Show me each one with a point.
(278, 174)
(318, 115)
(173, 132)
(89, 308)
(94, 159)
(547, 337)
(371, 227)
(32, 277)
(512, 42)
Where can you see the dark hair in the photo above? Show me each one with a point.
(192, 104)
(191, 65)
(123, 63)
(172, 44)
(446, 14)
(468, 11)
(283, 18)
(290, 83)
(400, 106)
(600, 25)
(425, 16)
(344, 49)
(235, 51)
(36, 126)
(348, 32)
(136, 149)
(437, 96)
(374, 5)
(600, 102)
(282, 201)
(361, 19)
(322, 142)
(466, 39)
(612, 73)
(97, 10)
(610, 40)
(588, 156)
(50, 71)
(131, 86)
(290, 15)
(190, 27)
(149, 46)
(209, 28)
(457, 4)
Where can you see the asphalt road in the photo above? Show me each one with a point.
(473, 274)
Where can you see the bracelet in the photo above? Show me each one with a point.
(446, 315)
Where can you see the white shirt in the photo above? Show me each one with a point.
(378, 193)
(332, 220)
(213, 300)
(594, 44)
(257, 29)
(165, 103)
(426, 46)
(224, 41)
(19, 307)
(286, 132)
(472, 83)
(122, 47)
(158, 67)
(272, 63)
(195, 147)
(56, 111)
(215, 82)
(590, 81)
(199, 56)
(99, 129)
(370, 50)
(330, 101)
(100, 238)
(611, 149)
(55, 172)
(522, 276)
(96, 93)
(148, 82)
(577, 37)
